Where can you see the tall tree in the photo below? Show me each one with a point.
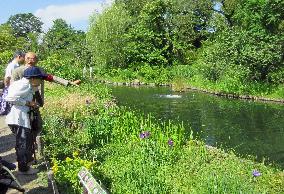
(150, 41)
(134, 7)
(65, 46)
(59, 36)
(9, 43)
(107, 37)
(25, 23)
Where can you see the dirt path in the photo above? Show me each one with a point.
(34, 184)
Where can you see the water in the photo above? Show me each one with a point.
(250, 128)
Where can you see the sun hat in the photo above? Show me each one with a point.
(34, 72)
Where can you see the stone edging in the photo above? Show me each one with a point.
(235, 96)
(134, 83)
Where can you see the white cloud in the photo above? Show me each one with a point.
(71, 13)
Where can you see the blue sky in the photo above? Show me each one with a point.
(74, 12)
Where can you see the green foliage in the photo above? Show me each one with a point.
(62, 40)
(273, 18)
(190, 23)
(106, 37)
(25, 23)
(8, 42)
(142, 73)
(133, 6)
(254, 52)
(8, 45)
(158, 33)
(149, 37)
(66, 171)
(62, 65)
(33, 42)
(59, 36)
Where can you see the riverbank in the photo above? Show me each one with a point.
(132, 153)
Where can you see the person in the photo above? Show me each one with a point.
(31, 60)
(18, 59)
(20, 95)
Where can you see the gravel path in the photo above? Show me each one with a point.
(34, 184)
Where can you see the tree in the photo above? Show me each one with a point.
(59, 36)
(107, 37)
(25, 23)
(133, 7)
(273, 16)
(149, 39)
(253, 44)
(9, 43)
(64, 50)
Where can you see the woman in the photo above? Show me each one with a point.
(20, 96)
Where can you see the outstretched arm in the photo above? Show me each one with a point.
(52, 78)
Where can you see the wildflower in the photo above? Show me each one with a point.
(75, 154)
(55, 168)
(256, 173)
(147, 134)
(170, 142)
(144, 134)
(67, 159)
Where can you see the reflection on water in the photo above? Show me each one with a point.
(252, 128)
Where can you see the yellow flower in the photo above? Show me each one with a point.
(68, 159)
(55, 168)
(75, 154)
(88, 164)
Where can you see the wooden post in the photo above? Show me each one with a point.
(84, 72)
(91, 72)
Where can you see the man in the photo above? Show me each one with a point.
(18, 59)
(20, 95)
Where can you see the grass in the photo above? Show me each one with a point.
(133, 153)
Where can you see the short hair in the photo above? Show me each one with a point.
(19, 53)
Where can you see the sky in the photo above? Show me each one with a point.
(74, 12)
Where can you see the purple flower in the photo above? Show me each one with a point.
(256, 173)
(147, 134)
(144, 134)
(171, 142)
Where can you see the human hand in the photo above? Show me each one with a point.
(76, 82)
(33, 104)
